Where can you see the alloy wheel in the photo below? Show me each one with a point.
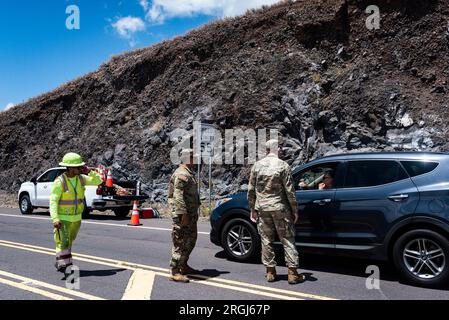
(424, 258)
(239, 240)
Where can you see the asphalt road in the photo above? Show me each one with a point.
(120, 262)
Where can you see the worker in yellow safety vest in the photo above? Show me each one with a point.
(67, 205)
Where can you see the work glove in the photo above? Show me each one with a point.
(57, 224)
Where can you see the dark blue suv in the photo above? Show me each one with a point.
(384, 206)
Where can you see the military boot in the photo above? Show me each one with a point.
(294, 277)
(177, 276)
(185, 270)
(271, 274)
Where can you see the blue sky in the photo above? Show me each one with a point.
(38, 53)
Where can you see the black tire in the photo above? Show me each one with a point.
(251, 251)
(25, 204)
(423, 276)
(122, 212)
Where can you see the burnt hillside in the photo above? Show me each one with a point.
(310, 68)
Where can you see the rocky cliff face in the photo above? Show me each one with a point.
(312, 69)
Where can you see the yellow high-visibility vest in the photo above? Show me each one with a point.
(71, 203)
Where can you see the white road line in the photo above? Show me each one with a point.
(28, 288)
(98, 223)
(29, 281)
(140, 285)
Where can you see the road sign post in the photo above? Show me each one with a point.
(206, 144)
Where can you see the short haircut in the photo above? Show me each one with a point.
(186, 155)
(272, 145)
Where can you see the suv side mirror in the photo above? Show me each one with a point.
(34, 180)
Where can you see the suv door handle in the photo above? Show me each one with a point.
(399, 197)
(322, 202)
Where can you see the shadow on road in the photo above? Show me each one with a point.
(222, 255)
(208, 273)
(100, 273)
(337, 265)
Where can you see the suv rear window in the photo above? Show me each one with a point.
(416, 168)
(373, 173)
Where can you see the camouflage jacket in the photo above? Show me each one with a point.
(183, 195)
(271, 186)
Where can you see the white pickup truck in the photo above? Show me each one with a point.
(36, 194)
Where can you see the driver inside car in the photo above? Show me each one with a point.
(326, 181)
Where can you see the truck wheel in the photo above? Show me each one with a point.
(25, 204)
(240, 240)
(121, 212)
(421, 257)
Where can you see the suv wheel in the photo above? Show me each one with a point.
(25, 204)
(240, 240)
(421, 256)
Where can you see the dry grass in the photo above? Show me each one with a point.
(316, 77)
(205, 210)
(8, 200)
(157, 126)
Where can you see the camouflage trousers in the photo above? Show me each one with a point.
(280, 222)
(184, 240)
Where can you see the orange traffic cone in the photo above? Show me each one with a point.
(109, 182)
(135, 216)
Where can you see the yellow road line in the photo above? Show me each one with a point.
(38, 291)
(163, 274)
(49, 286)
(139, 286)
(224, 283)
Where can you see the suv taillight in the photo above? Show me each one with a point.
(100, 190)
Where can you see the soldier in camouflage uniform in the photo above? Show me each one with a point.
(271, 197)
(184, 202)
